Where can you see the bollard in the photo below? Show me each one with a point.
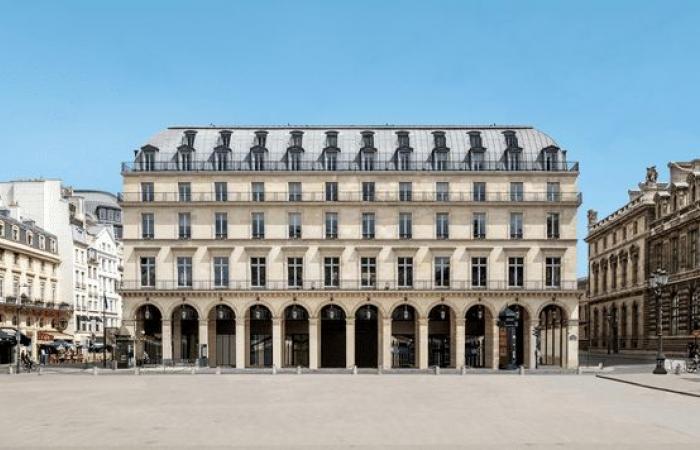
(94, 370)
(274, 369)
(193, 371)
(114, 365)
(677, 370)
(298, 370)
(464, 370)
(380, 370)
(137, 371)
(600, 366)
(218, 370)
(579, 370)
(354, 370)
(437, 370)
(11, 369)
(38, 371)
(521, 370)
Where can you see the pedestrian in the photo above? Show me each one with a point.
(145, 357)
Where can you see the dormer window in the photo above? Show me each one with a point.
(513, 152)
(441, 154)
(367, 139)
(295, 151)
(184, 159)
(331, 139)
(189, 138)
(475, 140)
(403, 152)
(225, 138)
(296, 138)
(147, 158)
(439, 139)
(260, 138)
(404, 140)
(511, 139)
(477, 152)
(368, 158)
(42, 242)
(221, 159)
(549, 158)
(257, 159)
(15, 233)
(30, 238)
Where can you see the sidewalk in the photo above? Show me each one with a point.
(684, 384)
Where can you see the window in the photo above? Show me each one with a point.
(516, 225)
(552, 272)
(184, 271)
(693, 248)
(475, 140)
(15, 233)
(479, 225)
(295, 225)
(440, 160)
(220, 272)
(257, 159)
(258, 224)
(295, 267)
(221, 225)
(442, 191)
(331, 192)
(553, 194)
(513, 160)
(479, 274)
(405, 272)
(184, 160)
(552, 225)
(293, 160)
(479, 189)
(184, 192)
(368, 272)
(405, 191)
(403, 159)
(30, 238)
(258, 190)
(330, 160)
(148, 271)
(147, 226)
(442, 271)
(516, 271)
(184, 226)
(257, 272)
(405, 225)
(221, 191)
(477, 160)
(294, 189)
(442, 225)
(675, 315)
(403, 139)
(331, 139)
(439, 139)
(516, 192)
(42, 242)
(368, 191)
(331, 225)
(367, 159)
(331, 272)
(221, 160)
(368, 225)
(149, 161)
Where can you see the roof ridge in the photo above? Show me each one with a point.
(347, 126)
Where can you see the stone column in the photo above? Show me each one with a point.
(240, 343)
(203, 340)
(277, 342)
(167, 341)
(349, 342)
(530, 344)
(491, 344)
(422, 343)
(177, 339)
(386, 343)
(571, 344)
(459, 333)
(314, 348)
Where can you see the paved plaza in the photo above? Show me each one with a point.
(340, 411)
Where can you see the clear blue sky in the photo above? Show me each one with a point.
(616, 83)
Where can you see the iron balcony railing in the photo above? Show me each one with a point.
(347, 285)
(353, 196)
(241, 164)
(34, 304)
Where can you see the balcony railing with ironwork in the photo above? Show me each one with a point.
(38, 304)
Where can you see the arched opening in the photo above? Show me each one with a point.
(185, 322)
(332, 336)
(512, 338)
(476, 340)
(260, 336)
(222, 336)
(403, 336)
(296, 337)
(367, 336)
(552, 336)
(440, 336)
(148, 344)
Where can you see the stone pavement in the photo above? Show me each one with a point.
(687, 384)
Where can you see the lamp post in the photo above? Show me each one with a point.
(657, 282)
(104, 330)
(18, 333)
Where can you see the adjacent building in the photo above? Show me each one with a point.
(388, 247)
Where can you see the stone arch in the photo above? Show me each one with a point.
(569, 312)
(552, 338)
(247, 306)
(316, 313)
(441, 335)
(304, 303)
(355, 308)
(131, 312)
(407, 301)
(169, 311)
(295, 335)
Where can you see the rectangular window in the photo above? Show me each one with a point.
(148, 271)
(184, 226)
(147, 223)
(516, 273)
(440, 160)
(552, 225)
(442, 191)
(257, 272)
(331, 272)
(479, 189)
(294, 160)
(479, 273)
(404, 160)
(258, 190)
(405, 225)
(221, 191)
(221, 225)
(258, 224)
(516, 192)
(368, 159)
(330, 161)
(405, 191)
(184, 192)
(331, 225)
(295, 268)
(331, 192)
(442, 225)
(477, 160)
(220, 272)
(294, 189)
(674, 255)
(258, 160)
(147, 192)
(368, 272)
(405, 272)
(294, 225)
(693, 248)
(368, 225)
(368, 191)
(479, 225)
(442, 271)
(516, 225)
(552, 272)
(184, 271)
(553, 194)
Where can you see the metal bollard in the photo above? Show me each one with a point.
(38, 370)
(298, 370)
(137, 371)
(354, 370)
(11, 369)
(94, 370)
(521, 370)
(464, 370)
(218, 370)
(437, 370)
(274, 369)
(193, 371)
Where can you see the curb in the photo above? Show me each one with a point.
(647, 386)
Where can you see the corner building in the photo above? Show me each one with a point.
(390, 247)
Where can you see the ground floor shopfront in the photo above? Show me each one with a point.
(389, 330)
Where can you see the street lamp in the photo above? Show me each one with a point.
(609, 317)
(18, 334)
(657, 282)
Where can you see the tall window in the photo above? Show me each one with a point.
(184, 160)
(479, 273)
(368, 225)
(184, 191)
(403, 160)
(220, 272)
(440, 160)
(147, 192)
(258, 224)
(442, 191)
(442, 271)
(221, 225)
(405, 272)
(442, 226)
(405, 225)
(367, 159)
(516, 192)
(294, 160)
(258, 190)
(692, 248)
(552, 225)
(184, 271)
(516, 225)
(331, 225)
(184, 226)
(516, 269)
(479, 189)
(479, 225)
(295, 225)
(513, 160)
(368, 191)
(149, 161)
(258, 272)
(550, 160)
(148, 271)
(221, 191)
(294, 189)
(405, 191)
(331, 191)
(331, 272)
(295, 268)
(147, 226)
(221, 160)
(477, 160)
(675, 315)
(368, 272)
(552, 272)
(330, 160)
(553, 194)
(257, 159)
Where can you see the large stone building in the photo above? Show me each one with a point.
(390, 247)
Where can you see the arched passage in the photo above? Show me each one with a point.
(552, 336)
(476, 340)
(222, 336)
(148, 348)
(260, 336)
(403, 336)
(367, 336)
(185, 322)
(513, 340)
(296, 337)
(332, 336)
(440, 336)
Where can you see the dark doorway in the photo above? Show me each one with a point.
(403, 337)
(439, 336)
(260, 337)
(332, 337)
(149, 334)
(186, 322)
(296, 337)
(475, 338)
(225, 332)
(367, 337)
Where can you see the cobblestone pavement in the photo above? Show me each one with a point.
(340, 411)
